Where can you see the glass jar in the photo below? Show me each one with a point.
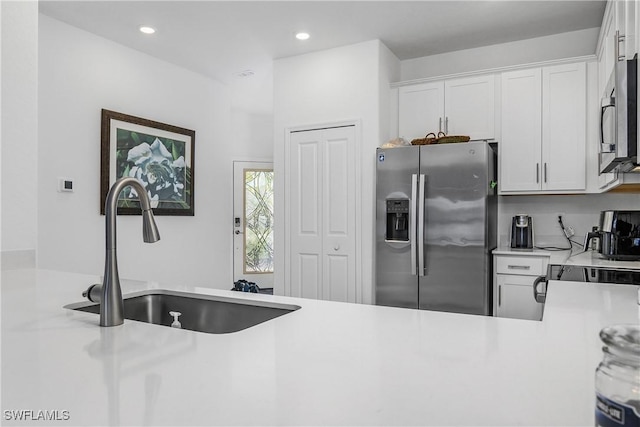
(618, 377)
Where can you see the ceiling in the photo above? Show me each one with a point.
(221, 38)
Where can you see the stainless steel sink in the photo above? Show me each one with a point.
(202, 313)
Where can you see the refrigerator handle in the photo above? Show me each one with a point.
(421, 267)
(412, 221)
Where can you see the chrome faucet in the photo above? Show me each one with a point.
(109, 294)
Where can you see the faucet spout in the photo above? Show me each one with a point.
(111, 304)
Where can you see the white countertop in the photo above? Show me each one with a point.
(574, 257)
(325, 364)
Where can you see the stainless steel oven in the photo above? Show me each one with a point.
(578, 273)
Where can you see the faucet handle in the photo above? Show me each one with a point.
(93, 292)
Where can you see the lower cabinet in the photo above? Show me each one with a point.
(513, 285)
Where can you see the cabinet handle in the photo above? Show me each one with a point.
(439, 124)
(537, 173)
(446, 125)
(519, 267)
(499, 295)
(545, 171)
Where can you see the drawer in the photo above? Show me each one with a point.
(522, 265)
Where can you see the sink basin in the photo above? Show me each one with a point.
(202, 313)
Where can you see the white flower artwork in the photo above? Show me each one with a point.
(159, 155)
(159, 172)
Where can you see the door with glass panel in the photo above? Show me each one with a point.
(253, 222)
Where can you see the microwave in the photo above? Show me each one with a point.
(619, 120)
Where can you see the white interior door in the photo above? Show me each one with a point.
(322, 215)
(253, 222)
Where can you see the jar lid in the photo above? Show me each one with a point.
(622, 339)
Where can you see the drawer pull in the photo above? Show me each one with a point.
(519, 267)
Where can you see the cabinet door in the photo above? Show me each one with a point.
(470, 107)
(420, 109)
(564, 114)
(521, 140)
(629, 47)
(609, 42)
(515, 298)
(605, 68)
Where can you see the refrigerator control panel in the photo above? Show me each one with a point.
(397, 220)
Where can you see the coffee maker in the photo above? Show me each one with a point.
(522, 232)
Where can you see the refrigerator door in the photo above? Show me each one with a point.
(396, 249)
(459, 222)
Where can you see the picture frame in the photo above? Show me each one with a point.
(161, 156)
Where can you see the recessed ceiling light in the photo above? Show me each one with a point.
(302, 36)
(147, 30)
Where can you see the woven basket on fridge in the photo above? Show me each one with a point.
(449, 139)
(429, 139)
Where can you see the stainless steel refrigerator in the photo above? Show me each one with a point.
(436, 227)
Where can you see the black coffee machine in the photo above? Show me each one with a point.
(522, 232)
(619, 235)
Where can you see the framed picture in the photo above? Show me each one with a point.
(159, 155)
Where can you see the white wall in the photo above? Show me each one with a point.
(19, 132)
(347, 83)
(559, 46)
(80, 74)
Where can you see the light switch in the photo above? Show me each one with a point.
(65, 185)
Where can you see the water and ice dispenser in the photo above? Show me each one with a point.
(397, 220)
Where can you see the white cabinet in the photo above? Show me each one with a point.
(469, 107)
(521, 145)
(543, 142)
(513, 285)
(606, 52)
(420, 110)
(626, 26)
(464, 106)
(606, 60)
(564, 127)
(618, 37)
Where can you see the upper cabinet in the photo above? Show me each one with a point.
(543, 142)
(463, 106)
(420, 109)
(521, 146)
(469, 107)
